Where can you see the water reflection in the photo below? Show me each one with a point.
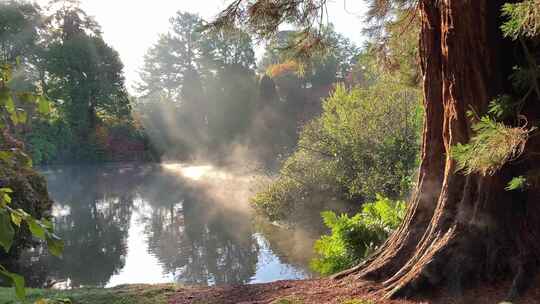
(152, 224)
(194, 237)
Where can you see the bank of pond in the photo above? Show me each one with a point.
(152, 224)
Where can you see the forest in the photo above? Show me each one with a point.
(259, 152)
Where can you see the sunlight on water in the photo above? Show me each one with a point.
(189, 224)
(190, 172)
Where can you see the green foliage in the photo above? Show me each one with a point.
(79, 76)
(492, 146)
(323, 68)
(19, 22)
(354, 238)
(264, 18)
(364, 143)
(523, 19)
(198, 91)
(497, 141)
(132, 294)
(502, 107)
(517, 183)
(12, 218)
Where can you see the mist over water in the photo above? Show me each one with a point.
(162, 223)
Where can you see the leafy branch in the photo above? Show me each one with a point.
(11, 154)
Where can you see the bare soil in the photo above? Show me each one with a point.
(337, 292)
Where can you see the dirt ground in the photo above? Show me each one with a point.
(336, 292)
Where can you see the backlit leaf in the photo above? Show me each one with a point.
(55, 245)
(6, 156)
(18, 282)
(14, 118)
(10, 105)
(47, 224)
(36, 229)
(14, 280)
(7, 233)
(6, 199)
(43, 106)
(517, 183)
(22, 117)
(16, 219)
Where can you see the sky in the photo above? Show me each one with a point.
(132, 26)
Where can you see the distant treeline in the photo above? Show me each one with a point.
(59, 50)
(203, 95)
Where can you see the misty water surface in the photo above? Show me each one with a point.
(136, 223)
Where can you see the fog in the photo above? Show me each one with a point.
(162, 174)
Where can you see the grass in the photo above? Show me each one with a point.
(126, 294)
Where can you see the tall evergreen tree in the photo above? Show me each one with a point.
(85, 74)
(462, 225)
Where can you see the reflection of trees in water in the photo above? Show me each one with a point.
(292, 242)
(197, 239)
(292, 246)
(97, 206)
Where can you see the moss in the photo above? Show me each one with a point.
(132, 294)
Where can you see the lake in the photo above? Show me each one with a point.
(162, 223)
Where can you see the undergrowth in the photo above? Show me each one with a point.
(354, 238)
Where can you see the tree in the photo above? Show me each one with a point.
(228, 49)
(204, 81)
(321, 69)
(84, 72)
(19, 25)
(460, 228)
(173, 85)
(173, 58)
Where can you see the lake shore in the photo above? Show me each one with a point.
(347, 291)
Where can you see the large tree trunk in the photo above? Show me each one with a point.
(461, 229)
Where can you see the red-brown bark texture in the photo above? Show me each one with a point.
(461, 230)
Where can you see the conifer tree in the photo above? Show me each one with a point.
(465, 222)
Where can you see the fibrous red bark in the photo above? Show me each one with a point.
(461, 229)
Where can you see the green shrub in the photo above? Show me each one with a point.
(54, 140)
(49, 140)
(353, 238)
(365, 142)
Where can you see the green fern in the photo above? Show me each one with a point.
(353, 238)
